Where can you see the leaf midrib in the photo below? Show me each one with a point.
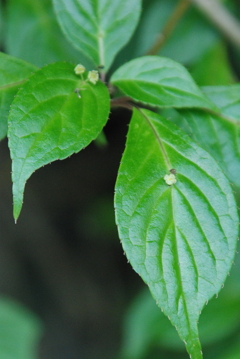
(12, 84)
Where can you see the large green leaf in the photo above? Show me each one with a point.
(180, 238)
(20, 331)
(33, 33)
(13, 73)
(159, 81)
(55, 114)
(98, 28)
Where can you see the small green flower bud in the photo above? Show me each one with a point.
(93, 76)
(170, 179)
(79, 69)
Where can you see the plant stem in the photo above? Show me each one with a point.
(221, 18)
(123, 101)
(170, 25)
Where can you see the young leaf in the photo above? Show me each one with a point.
(98, 28)
(159, 81)
(180, 238)
(13, 73)
(55, 114)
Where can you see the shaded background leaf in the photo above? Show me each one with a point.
(1, 25)
(213, 68)
(180, 239)
(33, 34)
(50, 121)
(20, 331)
(184, 45)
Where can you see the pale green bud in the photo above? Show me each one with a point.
(170, 179)
(93, 76)
(79, 69)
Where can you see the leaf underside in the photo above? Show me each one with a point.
(54, 115)
(181, 239)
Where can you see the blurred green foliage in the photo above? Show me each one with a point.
(145, 327)
(20, 331)
(33, 34)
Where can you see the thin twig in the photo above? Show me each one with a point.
(218, 14)
(170, 25)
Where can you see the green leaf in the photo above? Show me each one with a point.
(218, 135)
(227, 98)
(13, 73)
(1, 24)
(55, 114)
(20, 331)
(98, 28)
(159, 81)
(145, 326)
(180, 238)
(33, 33)
(214, 68)
(181, 46)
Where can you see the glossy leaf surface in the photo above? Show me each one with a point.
(13, 73)
(98, 28)
(159, 81)
(181, 239)
(54, 115)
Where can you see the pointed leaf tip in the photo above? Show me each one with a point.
(181, 238)
(50, 121)
(93, 26)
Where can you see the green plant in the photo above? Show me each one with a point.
(175, 211)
